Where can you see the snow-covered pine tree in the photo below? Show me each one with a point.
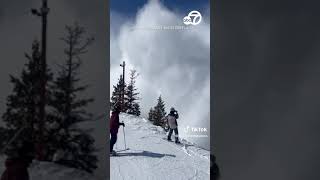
(131, 95)
(159, 113)
(151, 115)
(76, 144)
(136, 109)
(23, 104)
(116, 94)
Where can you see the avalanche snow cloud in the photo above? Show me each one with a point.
(173, 63)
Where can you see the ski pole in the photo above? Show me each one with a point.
(124, 138)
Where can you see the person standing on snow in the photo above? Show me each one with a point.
(171, 119)
(114, 126)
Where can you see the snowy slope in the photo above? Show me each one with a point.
(51, 171)
(150, 157)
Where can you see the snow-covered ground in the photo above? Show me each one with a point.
(52, 171)
(150, 157)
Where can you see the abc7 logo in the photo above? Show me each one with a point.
(194, 18)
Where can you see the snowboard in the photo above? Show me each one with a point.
(182, 143)
(177, 143)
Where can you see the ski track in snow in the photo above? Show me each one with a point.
(150, 157)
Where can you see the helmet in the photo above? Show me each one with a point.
(172, 109)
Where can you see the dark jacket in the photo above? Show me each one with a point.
(16, 169)
(114, 122)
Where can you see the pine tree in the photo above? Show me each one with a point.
(5, 135)
(151, 115)
(116, 94)
(131, 95)
(159, 113)
(75, 143)
(136, 109)
(23, 104)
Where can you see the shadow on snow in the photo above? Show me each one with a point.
(145, 153)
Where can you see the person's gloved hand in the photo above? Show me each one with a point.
(122, 124)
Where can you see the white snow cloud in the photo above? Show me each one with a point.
(173, 63)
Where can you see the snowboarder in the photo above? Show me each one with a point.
(17, 164)
(114, 126)
(171, 119)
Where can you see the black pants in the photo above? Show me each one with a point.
(175, 132)
(113, 140)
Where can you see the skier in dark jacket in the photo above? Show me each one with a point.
(171, 119)
(114, 126)
(17, 166)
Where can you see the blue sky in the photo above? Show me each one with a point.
(130, 7)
